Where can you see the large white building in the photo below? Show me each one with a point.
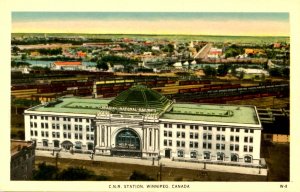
(143, 123)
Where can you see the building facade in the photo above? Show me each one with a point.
(22, 160)
(143, 123)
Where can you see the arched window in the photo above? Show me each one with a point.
(127, 139)
(67, 145)
(220, 156)
(206, 155)
(180, 153)
(193, 154)
(45, 143)
(248, 159)
(234, 157)
(78, 145)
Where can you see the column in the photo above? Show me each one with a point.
(109, 136)
(143, 138)
(98, 135)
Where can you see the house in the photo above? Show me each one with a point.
(67, 65)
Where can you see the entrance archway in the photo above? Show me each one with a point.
(127, 143)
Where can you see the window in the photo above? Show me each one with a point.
(218, 137)
(42, 125)
(35, 117)
(222, 146)
(196, 136)
(53, 134)
(46, 118)
(209, 136)
(206, 155)
(248, 159)
(64, 126)
(231, 138)
(31, 124)
(183, 126)
(165, 142)
(209, 145)
(76, 135)
(65, 135)
(42, 117)
(46, 132)
(80, 127)
(178, 126)
(232, 130)
(170, 133)
(87, 137)
(196, 144)
(250, 149)
(251, 131)
(237, 138)
(209, 128)
(31, 132)
(178, 134)
(191, 136)
(170, 142)
(217, 146)
(223, 128)
(65, 119)
(42, 133)
(218, 128)
(46, 125)
(192, 127)
(69, 127)
(180, 153)
(196, 127)
(31, 117)
(245, 148)
(57, 118)
(87, 128)
(204, 128)
(204, 136)
(193, 154)
(223, 137)
(53, 126)
(80, 120)
(234, 158)
(178, 143)
(92, 137)
(165, 125)
(35, 125)
(78, 145)
(231, 147)
(76, 119)
(57, 134)
(191, 144)
(220, 156)
(246, 130)
(87, 120)
(204, 145)
(45, 143)
(53, 118)
(92, 128)
(76, 127)
(236, 147)
(237, 130)
(170, 125)
(57, 126)
(69, 135)
(246, 139)
(182, 143)
(165, 133)
(35, 133)
(251, 140)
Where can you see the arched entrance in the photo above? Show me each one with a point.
(127, 143)
(67, 145)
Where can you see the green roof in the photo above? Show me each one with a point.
(213, 113)
(140, 96)
(73, 105)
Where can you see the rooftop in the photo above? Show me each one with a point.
(213, 113)
(18, 145)
(74, 105)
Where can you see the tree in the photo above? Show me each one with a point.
(102, 65)
(75, 173)
(223, 70)
(138, 176)
(275, 72)
(45, 172)
(210, 71)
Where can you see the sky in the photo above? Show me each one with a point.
(189, 23)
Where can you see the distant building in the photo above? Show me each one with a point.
(67, 65)
(214, 53)
(22, 159)
(252, 73)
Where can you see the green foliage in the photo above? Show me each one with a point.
(45, 172)
(223, 69)
(24, 102)
(210, 71)
(138, 176)
(19, 63)
(102, 65)
(75, 173)
(233, 51)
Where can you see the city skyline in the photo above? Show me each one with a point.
(183, 23)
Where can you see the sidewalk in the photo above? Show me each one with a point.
(165, 163)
